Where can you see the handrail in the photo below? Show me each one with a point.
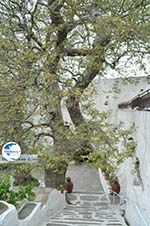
(130, 203)
(108, 189)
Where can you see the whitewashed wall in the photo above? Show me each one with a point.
(56, 201)
(10, 216)
(124, 90)
(138, 194)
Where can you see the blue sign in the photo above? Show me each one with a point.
(11, 151)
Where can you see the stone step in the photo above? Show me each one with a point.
(79, 216)
(71, 220)
(88, 220)
(91, 210)
(87, 197)
(91, 206)
(83, 224)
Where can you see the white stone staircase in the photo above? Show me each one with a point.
(88, 209)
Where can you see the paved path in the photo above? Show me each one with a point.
(85, 178)
(91, 205)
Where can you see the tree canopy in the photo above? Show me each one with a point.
(53, 50)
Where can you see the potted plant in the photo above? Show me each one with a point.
(115, 186)
(110, 176)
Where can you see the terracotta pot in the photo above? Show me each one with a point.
(68, 186)
(115, 187)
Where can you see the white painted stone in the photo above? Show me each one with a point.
(33, 218)
(104, 182)
(9, 217)
(55, 202)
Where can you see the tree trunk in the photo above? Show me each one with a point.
(74, 110)
(53, 179)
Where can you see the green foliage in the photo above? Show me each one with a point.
(106, 162)
(14, 111)
(22, 174)
(22, 169)
(5, 166)
(137, 168)
(25, 192)
(33, 60)
(56, 163)
(4, 187)
(49, 48)
(129, 151)
(110, 158)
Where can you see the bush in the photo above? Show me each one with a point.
(22, 174)
(25, 192)
(56, 163)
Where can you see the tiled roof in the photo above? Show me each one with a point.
(139, 102)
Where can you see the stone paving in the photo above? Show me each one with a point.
(91, 210)
(91, 205)
(85, 178)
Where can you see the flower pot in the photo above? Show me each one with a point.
(115, 187)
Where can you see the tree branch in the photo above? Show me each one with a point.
(78, 52)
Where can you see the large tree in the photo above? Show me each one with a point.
(52, 50)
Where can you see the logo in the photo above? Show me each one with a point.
(11, 151)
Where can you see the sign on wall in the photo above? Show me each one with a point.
(11, 151)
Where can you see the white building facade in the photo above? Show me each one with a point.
(134, 185)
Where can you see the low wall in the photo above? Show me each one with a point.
(32, 213)
(56, 201)
(9, 217)
(105, 184)
(29, 214)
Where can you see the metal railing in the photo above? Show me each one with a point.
(126, 200)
